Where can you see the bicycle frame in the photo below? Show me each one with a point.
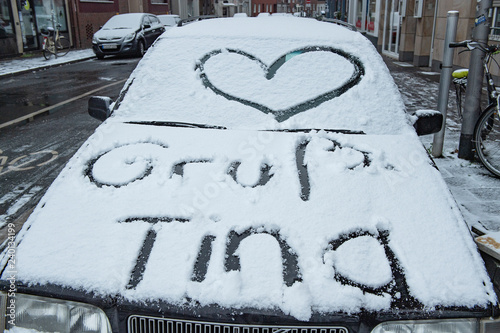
(50, 39)
(490, 83)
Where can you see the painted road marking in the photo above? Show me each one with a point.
(31, 115)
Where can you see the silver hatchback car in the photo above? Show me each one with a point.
(127, 34)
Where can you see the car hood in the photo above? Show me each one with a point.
(111, 34)
(301, 222)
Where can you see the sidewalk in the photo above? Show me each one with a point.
(25, 64)
(476, 191)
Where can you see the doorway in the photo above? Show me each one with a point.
(392, 26)
(28, 25)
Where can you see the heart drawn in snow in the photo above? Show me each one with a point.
(283, 114)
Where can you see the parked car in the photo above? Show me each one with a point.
(127, 34)
(169, 21)
(253, 176)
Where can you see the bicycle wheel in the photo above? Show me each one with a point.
(48, 50)
(487, 139)
(47, 54)
(62, 46)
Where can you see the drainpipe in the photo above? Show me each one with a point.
(433, 33)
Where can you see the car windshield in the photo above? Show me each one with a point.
(125, 21)
(169, 20)
(223, 72)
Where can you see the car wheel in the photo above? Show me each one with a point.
(140, 48)
(100, 56)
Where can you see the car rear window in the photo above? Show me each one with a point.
(219, 73)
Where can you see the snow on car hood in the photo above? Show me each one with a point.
(227, 72)
(301, 222)
(111, 34)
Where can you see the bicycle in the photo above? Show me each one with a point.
(54, 43)
(486, 137)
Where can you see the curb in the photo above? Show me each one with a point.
(45, 66)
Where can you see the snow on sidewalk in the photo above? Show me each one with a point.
(25, 64)
(475, 189)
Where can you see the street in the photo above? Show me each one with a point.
(32, 154)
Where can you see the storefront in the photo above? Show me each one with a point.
(21, 32)
(8, 44)
(395, 10)
(365, 15)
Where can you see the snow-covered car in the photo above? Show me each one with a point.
(169, 20)
(127, 34)
(253, 176)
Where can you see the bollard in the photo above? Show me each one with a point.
(445, 80)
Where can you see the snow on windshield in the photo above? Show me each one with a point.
(124, 21)
(300, 73)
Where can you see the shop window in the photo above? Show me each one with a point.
(50, 14)
(495, 25)
(366, 11)
(6, 21)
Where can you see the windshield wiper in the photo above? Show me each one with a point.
(175, 124)
(305, 130)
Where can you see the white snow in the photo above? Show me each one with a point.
(124, 184)
(173, 90)
(20, 65)
(345, 196)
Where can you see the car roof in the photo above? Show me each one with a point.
(216, 68)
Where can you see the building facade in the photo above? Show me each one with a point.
(21, 21)
(414, 30)
(408, 30)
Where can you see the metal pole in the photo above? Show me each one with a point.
(474, 81)
(433, 33)
(444, 81)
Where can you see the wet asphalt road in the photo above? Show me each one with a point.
(32, 154)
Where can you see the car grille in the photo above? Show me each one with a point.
(143, 324)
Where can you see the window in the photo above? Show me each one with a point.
(6, 26)
(48, 16)
(159, 2)
(495, 23)
(366, 13)
(154, 20)
(146, 20)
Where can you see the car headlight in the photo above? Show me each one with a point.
(129, 37)
(435, 326)
(43, 314)
(94, 40)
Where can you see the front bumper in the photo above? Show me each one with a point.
(159, 316)
(115, 48)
